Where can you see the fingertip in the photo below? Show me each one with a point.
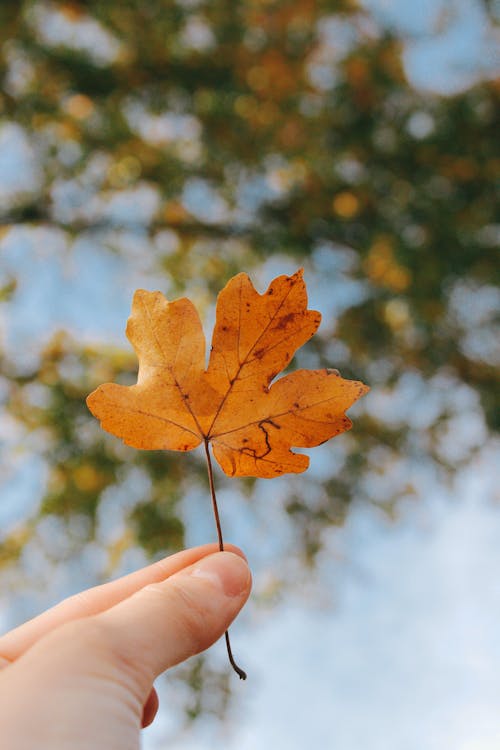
(226, 570)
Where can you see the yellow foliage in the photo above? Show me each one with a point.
(383, 269)
(124, 171)
(71, 11)
(4, 230)
(87, 478)
(396, 314)
(245, 105)
(79, 106)
(345, 204)
(358, 71)
(174, 212)
(257, 77)
(267, 113)
(68, 130)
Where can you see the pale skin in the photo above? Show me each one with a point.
(81, 674)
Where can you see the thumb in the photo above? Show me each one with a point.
(160, 625)
(165, 623)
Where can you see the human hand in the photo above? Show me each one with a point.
(81, 675)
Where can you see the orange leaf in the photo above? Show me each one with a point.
(252, 425)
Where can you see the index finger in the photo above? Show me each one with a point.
(98, 599)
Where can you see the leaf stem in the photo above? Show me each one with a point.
(212, 493)
(241, 674)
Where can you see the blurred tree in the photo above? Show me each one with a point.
(249, 129)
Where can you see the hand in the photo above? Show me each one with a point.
(81, 675)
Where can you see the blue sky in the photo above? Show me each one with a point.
(450, 44)
(394, 645)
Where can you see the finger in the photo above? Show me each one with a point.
(150, 709)
(162, 624)
(98, 599)
(165, 623)
(96, 673)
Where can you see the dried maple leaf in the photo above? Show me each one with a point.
(252, 425)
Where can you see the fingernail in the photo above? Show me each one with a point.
(227, 571)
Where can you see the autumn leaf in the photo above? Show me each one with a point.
(251, 422)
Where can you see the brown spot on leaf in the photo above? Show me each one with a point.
(285, 320)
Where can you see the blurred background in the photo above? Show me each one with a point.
(170, 145)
